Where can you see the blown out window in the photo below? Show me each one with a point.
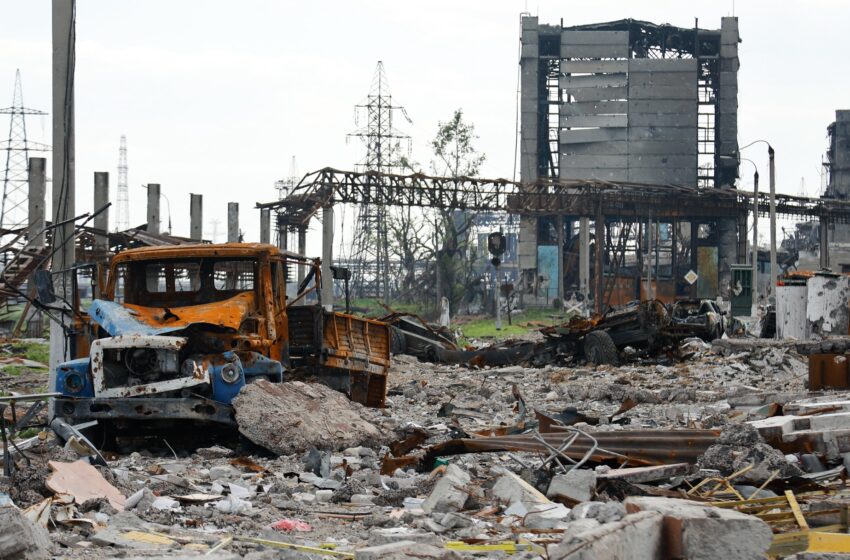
(234, 275)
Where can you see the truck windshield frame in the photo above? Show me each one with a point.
(182, 282)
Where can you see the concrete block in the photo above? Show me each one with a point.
(511, 489)
(635, 537)
(696, 531)
(391, 535)
(546, 516)
(578, 485)
(449, 494)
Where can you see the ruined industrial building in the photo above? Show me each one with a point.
(635, 347)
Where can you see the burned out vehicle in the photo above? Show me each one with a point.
(179, 330)
(700, 318)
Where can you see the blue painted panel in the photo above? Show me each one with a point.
(547, 266)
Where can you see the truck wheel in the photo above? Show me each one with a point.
(599, 348)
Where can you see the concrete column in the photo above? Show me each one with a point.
(233, 222)
(327, 256)
(64, 186)
(196, 217)
(584, 256)
(37, 177)
(153, 208)
(727, 250)
(302, 250)
(824, 242)
(600, 252)
(101, 221)
(559, 223)
(265, 225)
(529, 134)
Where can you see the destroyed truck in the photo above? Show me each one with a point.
(177, 332)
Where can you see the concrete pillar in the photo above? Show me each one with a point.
(302, 250)
(584, 256)
(265, 225)
(101, 221)
(153, 208)
(233, 222)
(559, 223)
(600, 252)
(37, 177)
(529, 133)
(64, 186)
(196, 217)
(824, 242)
(327, 256)
(727, 250)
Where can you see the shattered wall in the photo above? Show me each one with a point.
(827, 311)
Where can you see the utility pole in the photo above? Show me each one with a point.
(755, 270)
(774, 271)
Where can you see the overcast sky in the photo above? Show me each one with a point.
(215, 97)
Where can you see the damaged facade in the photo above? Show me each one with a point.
(630, 102)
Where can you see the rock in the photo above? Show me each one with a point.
(635, 537)
(576, 486)
(511, 489)
(697, 531)
(401, 549)
(224, 472)
(454, 520)
(401, 534)
(318, 462)
(449, 494)
(214, 452)
(323, 496)
(304, 497)
(293, 417)
(362, 499)
(603, 512)
(20, 538)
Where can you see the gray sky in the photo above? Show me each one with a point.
(215, 97)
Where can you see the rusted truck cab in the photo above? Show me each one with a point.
(178, 331)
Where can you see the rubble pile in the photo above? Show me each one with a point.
(319, 476)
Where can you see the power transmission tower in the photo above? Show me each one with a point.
(14, 209)
(383, 147)
(122, 220)
(284, 187)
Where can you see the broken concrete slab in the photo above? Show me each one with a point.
(401, 549)
(635, 537)
(294, 417)
(450, 493)
(512, 489)
(386, 535)
(20, 538)
(546, 516)
(640, 475)
(576, 486)
(697, 531)
(82, 481)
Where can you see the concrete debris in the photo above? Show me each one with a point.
(295, 417)
(20, 538)
(635, 537)
(697, 531)
(577, 485)
(450, 493)
(83, 482)
(511, 489)
(741, 446)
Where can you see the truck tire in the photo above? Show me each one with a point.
(599, 349)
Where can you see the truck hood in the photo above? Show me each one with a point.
(121, 319)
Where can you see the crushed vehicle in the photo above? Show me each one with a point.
(700, 318)
(177, 331)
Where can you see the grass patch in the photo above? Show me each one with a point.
(371, 307)
(27, 433)
(36, 351)
(521, 323)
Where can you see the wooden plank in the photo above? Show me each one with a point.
(602, 121)
(611, 148)
(592, 135)
(593, 108)
(592, 161)
(572, 83)
(600, 94)
(795, 508)
(570, 37)
(594, 66)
